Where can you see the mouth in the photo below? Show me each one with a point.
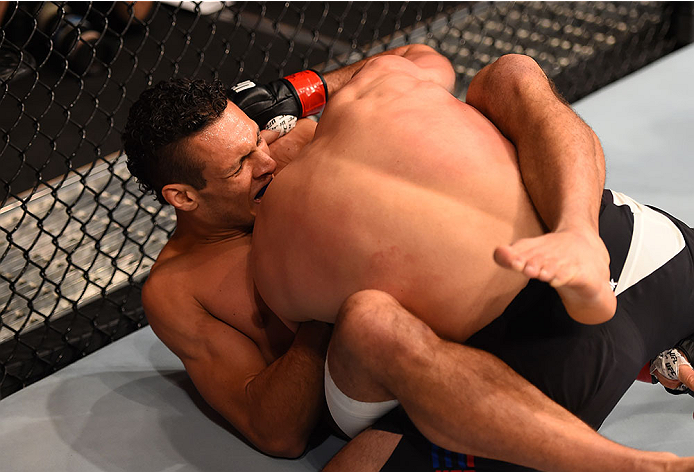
(260, 194)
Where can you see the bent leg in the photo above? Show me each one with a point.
(354, 395)
(447, 389)
(563, 169)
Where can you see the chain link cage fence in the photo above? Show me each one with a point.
(78, 237)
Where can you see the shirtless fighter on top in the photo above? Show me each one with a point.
(265, 380)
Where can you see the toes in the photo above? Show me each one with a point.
(563, 276)
(506, 257)
(549, 270)
(545, 275)
(541, 267)
(528, 258)
(531, 270)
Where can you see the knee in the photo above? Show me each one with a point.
(373, 323)
(367, 304)
(367, 311)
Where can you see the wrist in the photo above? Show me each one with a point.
(277, 105)
(310, 90)
(315, 335)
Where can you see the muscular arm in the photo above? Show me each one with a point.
(561, 158)
(437, 69)
(437, 66)
(276, 405)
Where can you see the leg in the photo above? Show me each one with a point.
(368, 452)
(447, 387)
(563, 168)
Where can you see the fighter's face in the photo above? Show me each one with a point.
(238, 168)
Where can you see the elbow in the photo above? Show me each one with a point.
(503, 89)
(508, 77)
(521, 72)
(281, 444)
(437, 66)
(288, 448)
(515, 62)
(516, 69)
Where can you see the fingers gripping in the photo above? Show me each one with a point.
(673, 366)
(686, 376)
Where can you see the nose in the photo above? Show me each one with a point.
(264, 164)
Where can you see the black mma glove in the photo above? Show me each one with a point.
(686, 347)
(277, 105)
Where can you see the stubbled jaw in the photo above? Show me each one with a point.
(260, 194)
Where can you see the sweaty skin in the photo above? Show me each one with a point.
(201, 302)
(404, 189)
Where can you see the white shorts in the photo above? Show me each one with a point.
(352, 416)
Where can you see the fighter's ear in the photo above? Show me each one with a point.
(183, 197)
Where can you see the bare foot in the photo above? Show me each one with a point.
(575, 263)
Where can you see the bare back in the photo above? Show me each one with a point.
(404, 189)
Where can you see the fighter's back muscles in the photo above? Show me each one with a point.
(431, 66)
(396, 182)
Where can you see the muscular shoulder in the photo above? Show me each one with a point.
(169, 293)
(388, 70)
(420, 64)
(168, 272)
(194, 288)
(388, 81)
(394, 63)
(160, 284)
(165, 295)
(170, 298)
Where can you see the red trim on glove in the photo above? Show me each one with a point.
(645, 374)
(311, 90)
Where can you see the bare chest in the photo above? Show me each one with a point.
(226, 291)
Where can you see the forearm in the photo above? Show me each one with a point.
(286, 398)
(287, 148)
(277, 105)
(560, 157)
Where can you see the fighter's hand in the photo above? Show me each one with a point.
(685, 377)
(278, 105)
(673, 371)
(287, 148)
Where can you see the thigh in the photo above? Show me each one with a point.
(415, 453)
(367, 452)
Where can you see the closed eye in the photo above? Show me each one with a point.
(243, 159)
(238, 171)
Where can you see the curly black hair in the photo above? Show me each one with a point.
(158, 123)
